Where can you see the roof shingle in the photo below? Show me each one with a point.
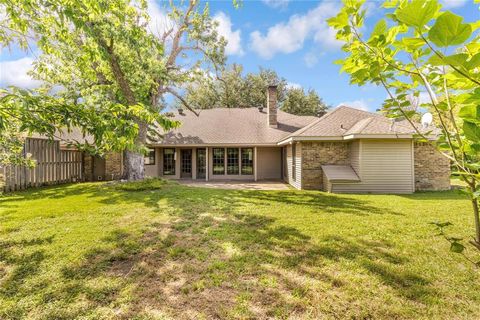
(232, 126)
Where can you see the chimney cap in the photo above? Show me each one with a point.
(260, 108)
(180, 110)
(273, 85)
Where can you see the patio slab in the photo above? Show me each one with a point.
(237, 185)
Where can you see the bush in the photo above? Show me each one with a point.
(142, 185)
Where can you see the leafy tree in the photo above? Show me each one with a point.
(230, 89)
(227, 90)
(256, 87)
(104, 69)
(418, 48)
(297, 102)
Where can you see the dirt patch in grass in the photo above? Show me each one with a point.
(225, 264)
(193, 253)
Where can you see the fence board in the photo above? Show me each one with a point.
(53, 166)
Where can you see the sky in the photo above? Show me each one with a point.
(290, 37)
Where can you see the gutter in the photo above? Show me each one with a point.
(222, 144)
(351, 137)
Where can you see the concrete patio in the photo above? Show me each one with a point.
(237, 185)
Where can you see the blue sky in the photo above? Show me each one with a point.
(291, 37)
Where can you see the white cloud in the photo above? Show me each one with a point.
(277, 4)
(311, 59)
(357, 104)
(159, 20)
(234, 45)
(14, 73)
(293, 85)
(327, 38)
(288, 37)
(448, 4)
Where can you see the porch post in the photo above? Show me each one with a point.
(194, 164)
(255, 163)
(207, 169)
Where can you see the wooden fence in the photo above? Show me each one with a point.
(53, 166)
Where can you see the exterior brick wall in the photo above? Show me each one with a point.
(432, 170)
(113, 166)
(316, 154)
(272, 106)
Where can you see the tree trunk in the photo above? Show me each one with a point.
(477, 222)
(133, 162)
(476, 215)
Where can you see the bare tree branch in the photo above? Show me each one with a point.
(182, 100)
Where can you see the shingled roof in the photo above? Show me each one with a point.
(249, 126)
(344, 122)
(232, 126)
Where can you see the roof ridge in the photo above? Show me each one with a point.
(360, 110)
(299, 131)
(366, 122)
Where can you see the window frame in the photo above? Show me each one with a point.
(214, 163)
(173, 170)
(247, 164)
(231, 162)
(149, 157)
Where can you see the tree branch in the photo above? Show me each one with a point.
(441, 56)
(182, 100)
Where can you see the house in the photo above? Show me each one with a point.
(346, 150)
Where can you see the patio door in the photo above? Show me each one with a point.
(185, 163)
(201, 163)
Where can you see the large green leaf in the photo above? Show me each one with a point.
(449, 29)
(380, 28)
(474, 62)
(470, 113)
(413, 43)
(417, 13)
(471, 131)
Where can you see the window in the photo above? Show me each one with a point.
(218, 161)
(294, 162)
(232, 161)
(247, 161)
(150, 158)
(168, 162)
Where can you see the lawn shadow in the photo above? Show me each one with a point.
(24, 259)
(436, 195)
(215, 260)
(317, 201)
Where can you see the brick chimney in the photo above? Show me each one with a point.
(272, 106)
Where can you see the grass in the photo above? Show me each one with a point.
(167, 251)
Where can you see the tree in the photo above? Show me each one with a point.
(256, 87)
(225, 91)
(299, 103)
(109, 72)
(230, 89)
(418, 49)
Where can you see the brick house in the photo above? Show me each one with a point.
(345, 151)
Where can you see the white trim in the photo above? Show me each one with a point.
(255, 173)
(214, 145)
(291, 139)
(207, 169)
(360, 159)
(284, 142)
(413, 166)
(379, 136)
(348, 137)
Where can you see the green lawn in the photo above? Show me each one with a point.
(96, 251)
